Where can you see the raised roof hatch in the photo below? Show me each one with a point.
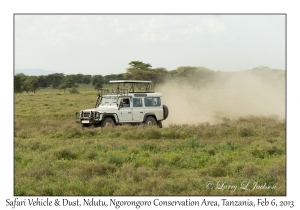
(147, 87)
(129, 81)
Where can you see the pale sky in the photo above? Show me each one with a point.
(105, 44)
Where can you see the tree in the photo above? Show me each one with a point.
(139, 65)
(67, 83)
(98, 79)
(31, 84)
(197, 77)
(98, 86)
(43, 81)
(87, 79)
(63, 86)
(55, 79)
(120, 76)
(155, 75)
(79, 78)
(18, 83)
(110, 77)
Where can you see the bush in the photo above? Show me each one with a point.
(150, 147)
(89, 169)
(66, 154)
(250, 171)
(141, 174)
(115, 159)
(217, 171)
(158, 160)
(193, 143)
(74, 90)
(246, 132)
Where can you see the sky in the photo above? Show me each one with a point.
(105, 44)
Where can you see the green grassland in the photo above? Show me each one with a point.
(54, 156)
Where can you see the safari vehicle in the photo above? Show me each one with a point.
(139, 104)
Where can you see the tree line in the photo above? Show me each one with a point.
(24, 83)
(137, 70)
(197, 77)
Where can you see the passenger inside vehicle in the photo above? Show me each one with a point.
(126, 102)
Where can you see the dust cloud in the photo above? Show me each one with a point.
(229, 95)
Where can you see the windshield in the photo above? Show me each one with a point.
(108, 101)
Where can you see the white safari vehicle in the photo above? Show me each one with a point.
(123, 106)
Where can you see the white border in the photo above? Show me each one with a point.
(8, 8)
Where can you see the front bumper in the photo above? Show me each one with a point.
(88, 117)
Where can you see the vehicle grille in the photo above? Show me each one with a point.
(86, 114)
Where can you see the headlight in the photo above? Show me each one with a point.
(97, 115)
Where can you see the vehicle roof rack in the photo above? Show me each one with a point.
(129, 81)
(148, 88)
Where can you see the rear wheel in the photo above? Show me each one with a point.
(150, 121)
(108, 122)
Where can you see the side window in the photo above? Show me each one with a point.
(152, 101)
(137, 102)
(125, 102)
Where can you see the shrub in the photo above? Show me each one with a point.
(276, 171)
(193, 143)
(141, 174)
(74, 90)
(236, 168)
(150, 147)
(230, 146)
(88, 169)
(157, 160)
(164, 171)
(38, 171)
(211, 152)
(36, 145)
(66, 154)
(175, 160)
(250, 171)
(246, 132)
(152, 133)
(127, 170)
(116, 159)
(92, 155)
(217, 171)
(274, 150)
(102, 186)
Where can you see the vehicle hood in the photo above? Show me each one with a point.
(101, 109)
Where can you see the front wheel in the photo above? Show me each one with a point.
(150, 121)
(108, 122)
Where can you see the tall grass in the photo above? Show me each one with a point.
(54, 156)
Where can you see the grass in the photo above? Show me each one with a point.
(53, 156)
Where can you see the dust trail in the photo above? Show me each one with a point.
(230, 95)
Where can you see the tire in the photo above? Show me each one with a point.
(150, 121)
(108, 122)
(166, 111)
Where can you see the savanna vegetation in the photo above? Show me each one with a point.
(54, 156)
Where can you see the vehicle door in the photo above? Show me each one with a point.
(125, 113)
(137, 109)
